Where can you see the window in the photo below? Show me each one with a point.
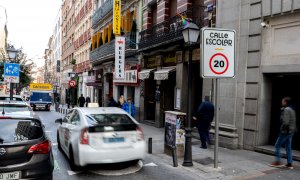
(154, 14)
(67, 117)
(75, 119)
(17, 130)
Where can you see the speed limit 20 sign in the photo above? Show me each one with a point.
(218, 53)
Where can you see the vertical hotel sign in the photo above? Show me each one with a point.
(117, 17)
(119, 57)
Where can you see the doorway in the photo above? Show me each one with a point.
(150, 87)
(284, 85)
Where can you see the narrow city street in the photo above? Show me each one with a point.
(148, 169)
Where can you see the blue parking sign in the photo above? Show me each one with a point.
(12, 72)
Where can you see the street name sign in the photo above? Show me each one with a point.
(217, 53)
(12, 72)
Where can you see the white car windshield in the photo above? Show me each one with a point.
(108, 119)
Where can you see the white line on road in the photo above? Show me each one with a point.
(54, 144)
(56, 166)
(48, 131)
(71, 173)
(150, 164)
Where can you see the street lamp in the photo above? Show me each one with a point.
(190, 34)
(12, 54)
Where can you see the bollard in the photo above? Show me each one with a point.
(174, 154)
(150, 145)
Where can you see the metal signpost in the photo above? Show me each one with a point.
(217, 61)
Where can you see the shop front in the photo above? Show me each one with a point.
(129, 87)
(158, 81)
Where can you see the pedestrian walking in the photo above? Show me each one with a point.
(129, 107)
(81, 101)
(121, 101)
(204, 116)
(57, 102)
(68, 102)
(112, 102)
(287, 130)
(87, 101)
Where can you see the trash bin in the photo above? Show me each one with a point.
(174, 132)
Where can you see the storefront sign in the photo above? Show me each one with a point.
(119, 57)
(170, 58)
(130, 77)
(151, 62)
(117, 17)
(89, 78)
(39, 86)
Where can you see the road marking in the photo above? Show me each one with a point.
(56, 166)
(54, 144)
(150, 164)
(48, 131)
(71, 173)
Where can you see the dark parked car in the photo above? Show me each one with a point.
(25, 150)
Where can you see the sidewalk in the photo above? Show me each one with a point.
(233, 164)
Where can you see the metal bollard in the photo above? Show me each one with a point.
(150, 145)
(174, 154)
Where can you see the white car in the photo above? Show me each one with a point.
(100, 135)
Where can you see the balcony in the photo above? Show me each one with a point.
(102, 12)
(107, 51)
(169, 30)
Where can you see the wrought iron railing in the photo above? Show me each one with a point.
(101, 12)
(106, 51)
(169, 30)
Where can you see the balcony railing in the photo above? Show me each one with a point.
(107, 51)
(169, 30)
(102, 12)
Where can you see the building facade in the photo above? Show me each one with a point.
(82, 44)
(67, 51)
(3, 33)
(267, 67)
(56, 55)
(164, 57)
(103, 52)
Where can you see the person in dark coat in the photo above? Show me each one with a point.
(112, 102)
(287, 129)
(81, 101)
(87, 101)
(68, 102)
(204, 116)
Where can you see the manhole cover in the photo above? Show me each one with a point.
(205, 161)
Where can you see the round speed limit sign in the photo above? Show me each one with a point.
(218, 63)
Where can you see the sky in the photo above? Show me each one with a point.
(30, 23)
